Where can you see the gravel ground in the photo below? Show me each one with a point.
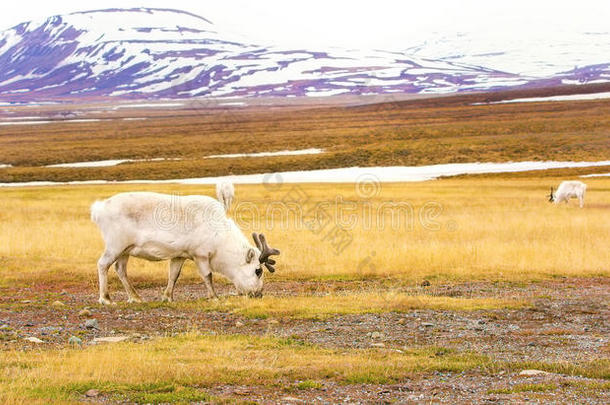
(568, 321)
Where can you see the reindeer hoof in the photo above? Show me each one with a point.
(136, 300)
(165, 298)
(106, 301)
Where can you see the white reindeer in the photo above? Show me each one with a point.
(225, 192)
(567, 190)
(165, 227)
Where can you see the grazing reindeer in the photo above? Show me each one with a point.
(164, 227)
(567, 190)
(225, 192)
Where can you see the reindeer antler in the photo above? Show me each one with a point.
(266, 251)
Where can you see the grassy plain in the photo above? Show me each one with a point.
(439, 130)
(180, 369)
(453, 229)
(446, 231)
(353, 257)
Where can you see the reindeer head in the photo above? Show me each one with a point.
(551, 196)
(242, 263)
(250, 281)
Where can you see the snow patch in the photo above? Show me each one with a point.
(49, 122)
(569, 97)
(26, 123)
(312, 151)
(394, 173)
(107, 163)
(22, 118)
(312, 92)
(350, 175)
(80, 120)
(596, 175)
(233, 104)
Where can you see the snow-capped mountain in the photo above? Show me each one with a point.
(160, 53)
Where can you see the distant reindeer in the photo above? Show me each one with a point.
(225, 192)
(567, 190)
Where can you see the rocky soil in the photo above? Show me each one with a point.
(568, 321)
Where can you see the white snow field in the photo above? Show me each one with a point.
(350, 174)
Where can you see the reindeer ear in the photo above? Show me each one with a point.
(251, 255)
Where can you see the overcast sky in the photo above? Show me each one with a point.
(354, 24)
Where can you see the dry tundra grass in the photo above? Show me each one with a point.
(320, 307)
(458, 229)
(433, 131)
(473, 228)
(449, 230)
(167, 369)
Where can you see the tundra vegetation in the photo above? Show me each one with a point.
(434, 131)
(441, 291)
(486, 239)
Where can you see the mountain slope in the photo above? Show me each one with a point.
(161, 53)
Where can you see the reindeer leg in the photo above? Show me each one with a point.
(203, 266)
(175, 267)
(208, 283)
(103, 264)
(121, 270)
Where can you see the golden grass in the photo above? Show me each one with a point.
(204, 361)
(451, 230)
(458, 229)
(323, 307)
(199, 361)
